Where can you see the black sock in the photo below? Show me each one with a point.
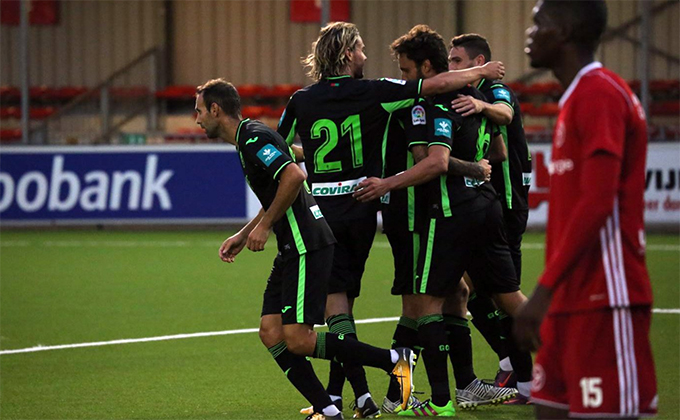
(405, 335)
(521, 361)
(356, 375)
(460, 350)
(432, 335)
(331, 346)
(300, 373)
(485, 319)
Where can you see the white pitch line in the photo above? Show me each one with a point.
(206, 334)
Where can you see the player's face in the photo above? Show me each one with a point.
(409, 68)
(459, 59)
(358, 59)
(205, 119)
(543, 38)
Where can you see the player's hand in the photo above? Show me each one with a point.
(258, 238)
(493, 70)
(370, 189)
(484, 171)
(529, 318)
(231, 247)
(467, 105)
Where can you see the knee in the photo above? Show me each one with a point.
(270, 334)
(300, 344)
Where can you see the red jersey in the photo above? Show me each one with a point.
(595, 252)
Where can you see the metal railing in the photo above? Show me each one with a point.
(124, 101)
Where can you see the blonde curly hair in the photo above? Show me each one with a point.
(328, 56)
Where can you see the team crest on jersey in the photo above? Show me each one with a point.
(503, 94)
(418, 115)
(442, 127)
(268, 154)
(397, 81)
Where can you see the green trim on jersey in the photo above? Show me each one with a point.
(302, 275)
(295, 229)
(410, 196)
(420, 87)
(437, 143)
(506, 170)
(481, 82)
(446, 205)
(416, 251)
(343, 76)
(396, 105)
(483, 139)
(428, 256)
(238, 130)
(384, 145)
(282, 166)
(290, 138)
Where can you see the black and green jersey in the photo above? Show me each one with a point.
(512, 177)
(402, 209)
(342, 123)
(468, 139)
(264, 154)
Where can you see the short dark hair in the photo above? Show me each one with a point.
(586, 20)
(473, 44)
(222, 93)
(422, 43)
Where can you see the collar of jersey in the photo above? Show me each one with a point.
(344, 76)
(238, 130)
(586, 69)
(481, 82)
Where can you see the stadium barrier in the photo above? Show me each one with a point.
(203, 184)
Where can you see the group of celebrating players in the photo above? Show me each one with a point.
(441, 152)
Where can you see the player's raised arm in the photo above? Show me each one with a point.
(456, 79)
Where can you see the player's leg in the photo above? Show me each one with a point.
(470, 391)
(405, 247)
(298, 369)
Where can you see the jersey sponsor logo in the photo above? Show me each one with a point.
(526, 178)
(560, 134)
(560, 167)
(253, 140)
(472, 182)
(397, 81)
(385, 199)
(503, 94)
(418, 115)
(330, 189)
(268, 154)
(442, 127)
(316, 212)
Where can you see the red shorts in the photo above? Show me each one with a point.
(597, 364)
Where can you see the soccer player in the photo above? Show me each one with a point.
(342, 122)
(457, 206)
(510, 179)
(403, 210)
(594, 356)
(296, 290)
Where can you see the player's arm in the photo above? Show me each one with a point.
(287, 127)
(497, 150)
(298, 152)
(478, 170)
(291, 179)
(599, 185)
(499, 113)
(456, 79)
(235, 243)
(433, 165)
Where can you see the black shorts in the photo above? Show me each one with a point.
(474, 242)
(405, 249)
(515, 226)
(355, 238)
(297, 287)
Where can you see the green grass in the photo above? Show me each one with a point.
(64, 287)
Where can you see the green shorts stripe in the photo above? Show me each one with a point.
(428, 256)
(302, 275)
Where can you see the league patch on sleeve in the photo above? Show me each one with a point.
(442, 127)
(268, 154)
(503, 94)
(397, 81)
(418, 115)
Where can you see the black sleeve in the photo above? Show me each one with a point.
(262, 150)
(394, 94)
(443, 122)
(288, 122)
(499, 93)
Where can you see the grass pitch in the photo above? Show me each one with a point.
(69, 287)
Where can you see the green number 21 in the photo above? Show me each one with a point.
(352, 127)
